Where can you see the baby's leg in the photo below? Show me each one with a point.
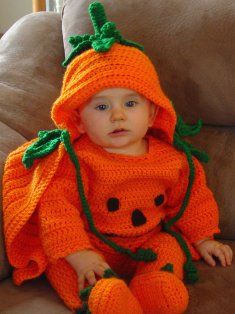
(158, 285)
(109, 295)
(112, 295)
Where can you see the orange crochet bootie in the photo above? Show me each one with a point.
(160, 292)
(112, 295)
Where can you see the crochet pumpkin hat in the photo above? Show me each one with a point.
(106, 60)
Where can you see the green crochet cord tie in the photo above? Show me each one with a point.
(182, 130)
(105, 35)
(48, 141)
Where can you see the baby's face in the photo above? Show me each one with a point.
(117, 119)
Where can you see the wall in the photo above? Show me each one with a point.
(11, 11)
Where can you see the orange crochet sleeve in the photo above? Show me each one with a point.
(61, 227)
(201, 217)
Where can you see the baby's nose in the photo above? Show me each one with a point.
(117, 114)
(138, 218)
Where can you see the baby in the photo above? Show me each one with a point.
(114, 193)
(117, 120)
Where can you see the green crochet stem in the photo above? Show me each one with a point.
(49, 140)
(105, 35)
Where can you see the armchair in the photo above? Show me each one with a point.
(192, 44)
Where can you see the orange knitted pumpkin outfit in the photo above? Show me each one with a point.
(129, 198)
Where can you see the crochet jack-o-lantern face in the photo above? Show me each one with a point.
(135, 211)
(138, 217)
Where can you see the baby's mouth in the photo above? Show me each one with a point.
(118, 131)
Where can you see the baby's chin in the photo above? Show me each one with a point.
(125, 144)
(115, 146)
(129, 148)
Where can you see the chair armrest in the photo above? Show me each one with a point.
(31, 53)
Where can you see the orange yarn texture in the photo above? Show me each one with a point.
(39, 238)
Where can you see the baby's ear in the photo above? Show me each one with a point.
(153, 113)
(77, 120)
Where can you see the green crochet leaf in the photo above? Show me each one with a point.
(105, 35)
(102, 45)
(47, 142)
(84, 294)
(147, 255)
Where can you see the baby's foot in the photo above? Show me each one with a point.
(110, 295)
(160, 292)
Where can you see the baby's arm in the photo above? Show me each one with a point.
(63, 234)
(200, 220)
(87, 264)
(62, 230)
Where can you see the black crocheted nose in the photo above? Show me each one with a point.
(138, 218)
(113, 204)
(159, 200)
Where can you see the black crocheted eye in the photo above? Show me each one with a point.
(113, 204)
(159, 200)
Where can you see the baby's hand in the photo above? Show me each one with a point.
(87, 263)
(209, 248)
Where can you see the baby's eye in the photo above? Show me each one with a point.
(130, 103)
(101, 107)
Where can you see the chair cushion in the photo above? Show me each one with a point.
(36, 296)
(215, 290)
(219, 143)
